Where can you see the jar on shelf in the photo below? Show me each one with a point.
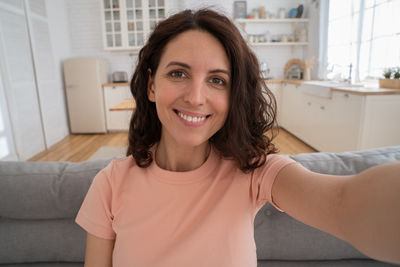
(267, 36)
(255, 13)
(282, 13)
(301, 35)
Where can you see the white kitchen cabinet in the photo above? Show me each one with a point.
(341, 122)
(275, 88)
(381, 123)
(127, 23)
(291, 118)
(116, 120)
(332, 124)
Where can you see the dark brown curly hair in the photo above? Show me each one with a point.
(251, 122)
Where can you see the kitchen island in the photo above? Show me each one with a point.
(117, 119)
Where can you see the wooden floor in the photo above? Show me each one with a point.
(290, 144)
(80, 147)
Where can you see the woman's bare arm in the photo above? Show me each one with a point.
(371, 212)
(362, 209)
(98, 251)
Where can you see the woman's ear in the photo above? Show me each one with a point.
(150, 87)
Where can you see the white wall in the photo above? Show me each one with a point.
(86, 37)
(58, 26)
(32, 44)
(16, 69)
(313, 39)
(47, 73)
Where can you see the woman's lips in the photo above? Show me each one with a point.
(191, 118)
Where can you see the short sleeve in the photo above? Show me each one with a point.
(95, 214)
(263, 178)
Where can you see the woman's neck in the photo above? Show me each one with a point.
(178, 158)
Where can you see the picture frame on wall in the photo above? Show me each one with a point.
(240, 9)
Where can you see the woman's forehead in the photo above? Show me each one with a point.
(198, 48)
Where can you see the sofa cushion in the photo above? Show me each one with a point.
(50, 240)
(45, 190)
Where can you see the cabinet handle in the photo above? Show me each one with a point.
(114, 87)
(322, 107)
(346, 95)
(309, 103)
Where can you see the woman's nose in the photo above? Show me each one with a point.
(195, 93)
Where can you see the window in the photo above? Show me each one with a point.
(6, 142)
(4, 146)
(363, 34)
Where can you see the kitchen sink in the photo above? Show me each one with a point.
(331, 84)
(322, 88)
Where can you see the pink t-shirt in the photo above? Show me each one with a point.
(203, 217)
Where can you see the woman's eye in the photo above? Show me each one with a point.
(217, 81)
(177, 74)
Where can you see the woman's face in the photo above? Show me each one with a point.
(191, 88)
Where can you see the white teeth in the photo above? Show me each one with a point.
(190, 118)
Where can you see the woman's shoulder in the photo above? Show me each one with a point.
(117, 169)
(272, 160)
(125, 162)
(273, 163)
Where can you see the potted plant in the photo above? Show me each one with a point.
(396, 74)
(392, 78)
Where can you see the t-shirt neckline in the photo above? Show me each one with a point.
(185, 177)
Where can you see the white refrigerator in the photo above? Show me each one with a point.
(84, 78)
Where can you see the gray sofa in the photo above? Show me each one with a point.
(39, 201)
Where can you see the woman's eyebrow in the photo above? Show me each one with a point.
(177, 63)
(220, 70)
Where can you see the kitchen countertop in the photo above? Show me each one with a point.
(116, 84)
(283, 81)
(350, 90)
(367, 91)
(127, 104)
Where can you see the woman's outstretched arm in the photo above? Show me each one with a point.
(98, 251)
(362, 209)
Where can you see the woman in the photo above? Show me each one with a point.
(199, 166)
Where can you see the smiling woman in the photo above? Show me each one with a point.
(204, 55)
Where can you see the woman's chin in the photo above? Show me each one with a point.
(191, 142)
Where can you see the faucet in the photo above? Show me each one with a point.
(350, 69)
(336, 72)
